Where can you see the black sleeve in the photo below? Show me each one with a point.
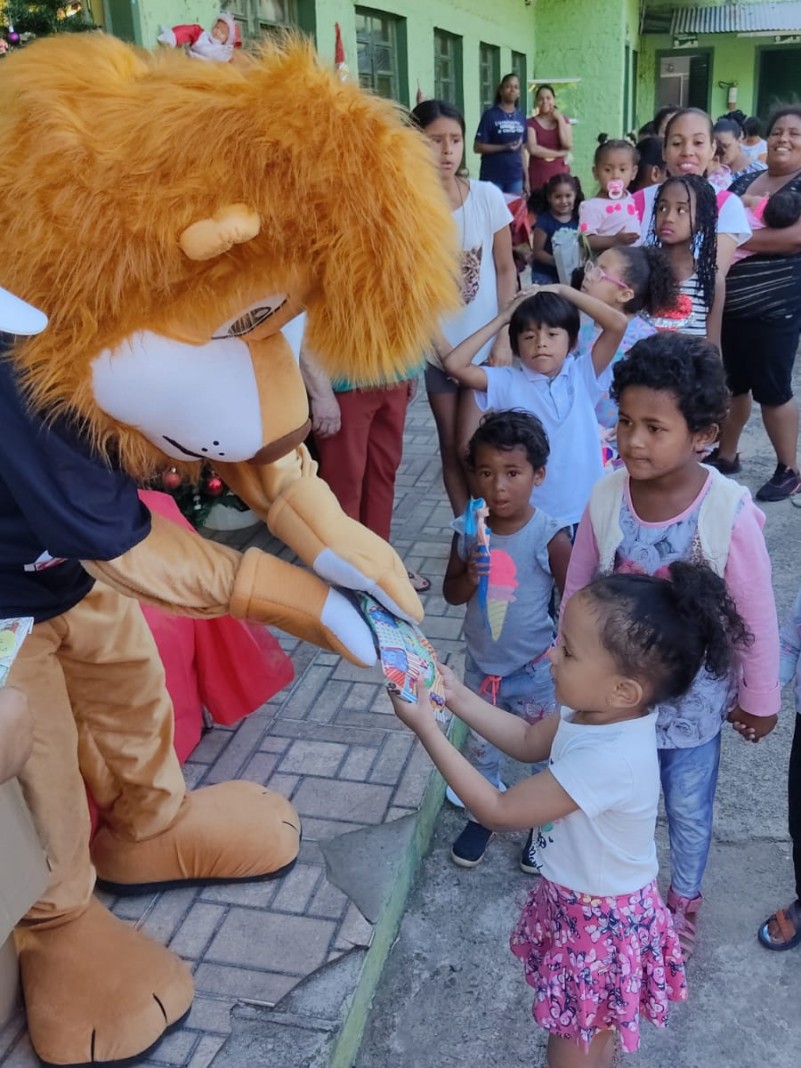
(79, 507)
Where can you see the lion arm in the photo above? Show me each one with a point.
(182, 573)
(301, 510)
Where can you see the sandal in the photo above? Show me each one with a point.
(787, 924)
(685, 921)
(418, 582)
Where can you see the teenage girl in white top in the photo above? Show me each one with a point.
(489, 281)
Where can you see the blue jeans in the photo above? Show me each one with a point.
(515, 187)
(689, 779)
(527, 692)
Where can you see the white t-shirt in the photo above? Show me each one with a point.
(606, 847)
(732, 219)
(565, 405)
(482, 215)
(753, 152)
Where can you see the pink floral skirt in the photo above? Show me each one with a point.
(599, 963)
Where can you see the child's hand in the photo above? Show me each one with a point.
(453, 687)
(751, 728)
(518, 298)
(478, 566)
(418, 715)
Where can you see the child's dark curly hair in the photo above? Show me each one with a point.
(783, 209)
(647, 269)
(703, 225)
(539, 199)
(661, 631)
(682, 364)
(511, 429)
(613, 144)
(544, 309)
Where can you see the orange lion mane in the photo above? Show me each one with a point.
(110, 153)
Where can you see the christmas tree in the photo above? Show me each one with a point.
(196, 499)
(21, 20)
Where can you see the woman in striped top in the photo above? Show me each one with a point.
(762, 319)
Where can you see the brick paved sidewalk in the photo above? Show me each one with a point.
(330, 743)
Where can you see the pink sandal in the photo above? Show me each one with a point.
(685, 923)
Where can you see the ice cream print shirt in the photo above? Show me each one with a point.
(508, 625)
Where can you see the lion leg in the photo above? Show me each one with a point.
(155, 834)
(94, 988)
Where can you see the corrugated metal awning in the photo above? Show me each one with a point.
(737, 18)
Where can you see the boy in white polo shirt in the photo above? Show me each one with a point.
(560, 389)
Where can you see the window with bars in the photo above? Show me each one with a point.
(448, 68)
(519, 66)
(381, 51)
(258, 17)
(489, 73)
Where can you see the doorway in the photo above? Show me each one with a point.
(778, 79)
(683, 79)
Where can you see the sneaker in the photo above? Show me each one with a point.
(529, 858)
(471, 845)
(726, 467)
(785, 483)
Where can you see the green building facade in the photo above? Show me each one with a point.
(612, 62)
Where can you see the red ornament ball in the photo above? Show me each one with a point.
(214, 486)
(171, 480)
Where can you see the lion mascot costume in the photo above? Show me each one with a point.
(169, 218)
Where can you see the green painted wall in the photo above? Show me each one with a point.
(508, 24)
(734, 59)
(586, 39)
(153, 14)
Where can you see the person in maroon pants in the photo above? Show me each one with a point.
(358, 435)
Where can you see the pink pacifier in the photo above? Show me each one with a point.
(615, 189)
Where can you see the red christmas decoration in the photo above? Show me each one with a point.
(171, 479)
(214, 486)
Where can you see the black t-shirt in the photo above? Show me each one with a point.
(58, 502)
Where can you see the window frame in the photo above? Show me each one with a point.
(252, 26)
(489, 55)
(457, 43)
(398, 49)
(519, 65)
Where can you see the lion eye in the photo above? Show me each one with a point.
(249, 320)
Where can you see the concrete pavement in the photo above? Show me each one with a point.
(452, 994)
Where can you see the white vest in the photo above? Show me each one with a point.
(715, 518)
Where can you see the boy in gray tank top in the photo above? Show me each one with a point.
(508, 626)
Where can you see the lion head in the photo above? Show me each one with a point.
(170, 217)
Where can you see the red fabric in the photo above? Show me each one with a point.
(522, 222)
(339, 48)
(228, 666)
(186, 34)
(360, 462)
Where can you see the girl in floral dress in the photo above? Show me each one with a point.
(596, 941)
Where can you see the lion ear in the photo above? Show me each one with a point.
(232, 225)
